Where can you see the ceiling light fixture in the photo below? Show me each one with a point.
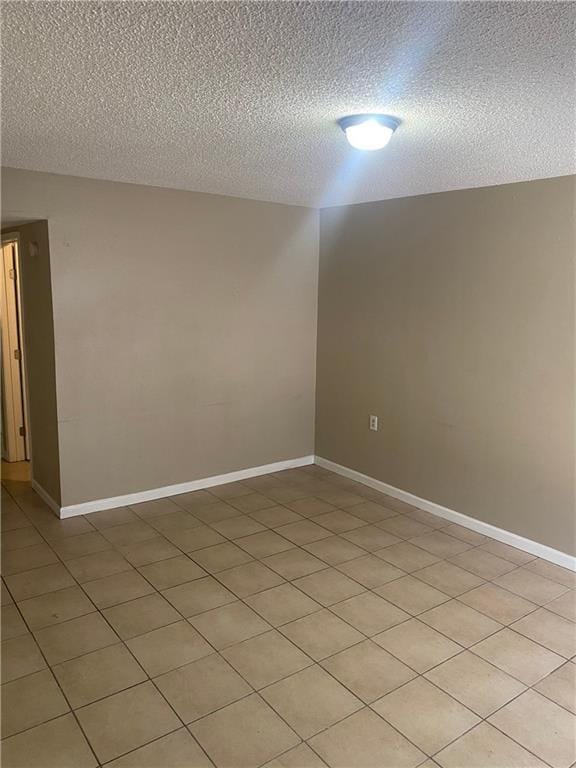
(368, 131)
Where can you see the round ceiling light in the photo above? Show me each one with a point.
(368, 131)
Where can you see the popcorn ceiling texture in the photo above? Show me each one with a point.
(241, 98)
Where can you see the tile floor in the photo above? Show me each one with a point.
(295, 620)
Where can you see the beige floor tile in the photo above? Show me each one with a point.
(214, 513)
(407, 557)
(178, 749)
(417, 645)
(371, 538)
(541, 726)
(310, 701)
(247, 579)
(58, 743)
(486, 747)
(128, 534)
(553, 572)
(339, 521)
(142, 615)
(154, 508)
(220, 557)
(370, 571)
(174, 522)
(440, 544)
(264, 544)
(322, 634)
(515, 555)
(518, 656)
(85, 544)
(247, 733)
(465, 534)
(284, 493)
(111, 517)
(237, 527)
(20, 656)
(368, 671)
(449, 578)
(364, 739)
(197, 596)
(531, 586)
(6, 597)
(298, 757)
(482, 563)
(230, 490)
(560, 686)
(166, 648)
(149, 551)
(229, 624)
(118, 588)
(329, 586)
(266, 658)
(294, 564)
(282, 604)
(460, 623)
(195, 538)
(202, 687)
(19, 560)
(251, 502)
(54, 607)
(111, 733)
(480, 686)
(56, 530)
(369, 613)
(39, 581)
(21, 537)
(372, 512)
(303, 532)
(427, 518)
(404, 527)
(12, 623)
(274, 517)
(310, 507)
(498, 603)
(550, 630)
(194, 499)
(412, 595)
(564, 606)
(340, 497)
(334, 550)
(424, 714)
(171, 572)
(97, 566)
(98, 674)
(29, 701)
(74, 638)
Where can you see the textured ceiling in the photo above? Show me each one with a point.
(241, 98)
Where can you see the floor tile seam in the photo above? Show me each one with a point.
(472, 647)
(66, 699)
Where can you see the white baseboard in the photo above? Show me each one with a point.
(507, 537)
(173, 490)
(45, 496)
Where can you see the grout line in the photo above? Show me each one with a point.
(286, 581)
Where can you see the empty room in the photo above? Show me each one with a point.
(288, 384)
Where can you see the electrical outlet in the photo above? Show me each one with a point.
(374, 423)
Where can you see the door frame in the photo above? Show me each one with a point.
(13, 368)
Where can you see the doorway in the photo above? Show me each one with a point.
(15, 423)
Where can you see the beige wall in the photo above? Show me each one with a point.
(451, 317)
(185, 329)
(38, 328)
